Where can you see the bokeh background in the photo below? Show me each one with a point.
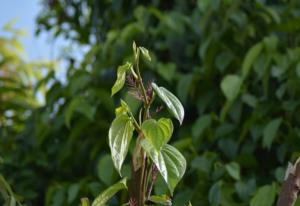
(234, 64)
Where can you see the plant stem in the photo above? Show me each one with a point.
(145, 171)
(142, 195)
(152, 182)
(140, 81)
(135, 123)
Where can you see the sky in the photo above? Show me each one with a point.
(42, 47)
(25, 12)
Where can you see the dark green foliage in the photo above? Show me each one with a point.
(235, 65)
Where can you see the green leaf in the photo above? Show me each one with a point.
(230, 86)
(121, 75)
(184, 85)
(79, 104)
(245, 189)
(120, 134)
(215, 193)
(145, 53)
(105, 170)
(233, 170)
(158, 132)
(265, 196)
(200, 125)
(173, 104)
(123, 109)
(108, 193)
(270, 132)
(161, 199)
(190, 204)
(7, 193)
(169, 161)
(73, 192)
(251, 55)
(134, 48)
(85, 201)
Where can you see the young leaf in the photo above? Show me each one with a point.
(85, 201)
(161, 199)
(145, 53)
(123, 109)
(121, 75)
(158, 132)
(134, 49)
(173, 104)
(169, 161)
(120, 134)
(109, 192)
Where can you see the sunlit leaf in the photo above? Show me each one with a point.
(169, 161)
(145, 53)
(121, 76)
(161, 199)
(85, 201)
(173, 104)
(120, 134)
(158, 132)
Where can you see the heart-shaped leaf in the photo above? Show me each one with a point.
(169, 161)
(109, 192)
(158, 132)
(172, 102)
(120, 134)
(121, 75)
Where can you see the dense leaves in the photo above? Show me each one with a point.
(194, 46)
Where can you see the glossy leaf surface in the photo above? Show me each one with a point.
(158, 132)
(169, 161)
(120, 134)
(172, 102)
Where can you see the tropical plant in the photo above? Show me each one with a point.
(151, 153)
(234, 65)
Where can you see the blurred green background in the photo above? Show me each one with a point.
(234, 64)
